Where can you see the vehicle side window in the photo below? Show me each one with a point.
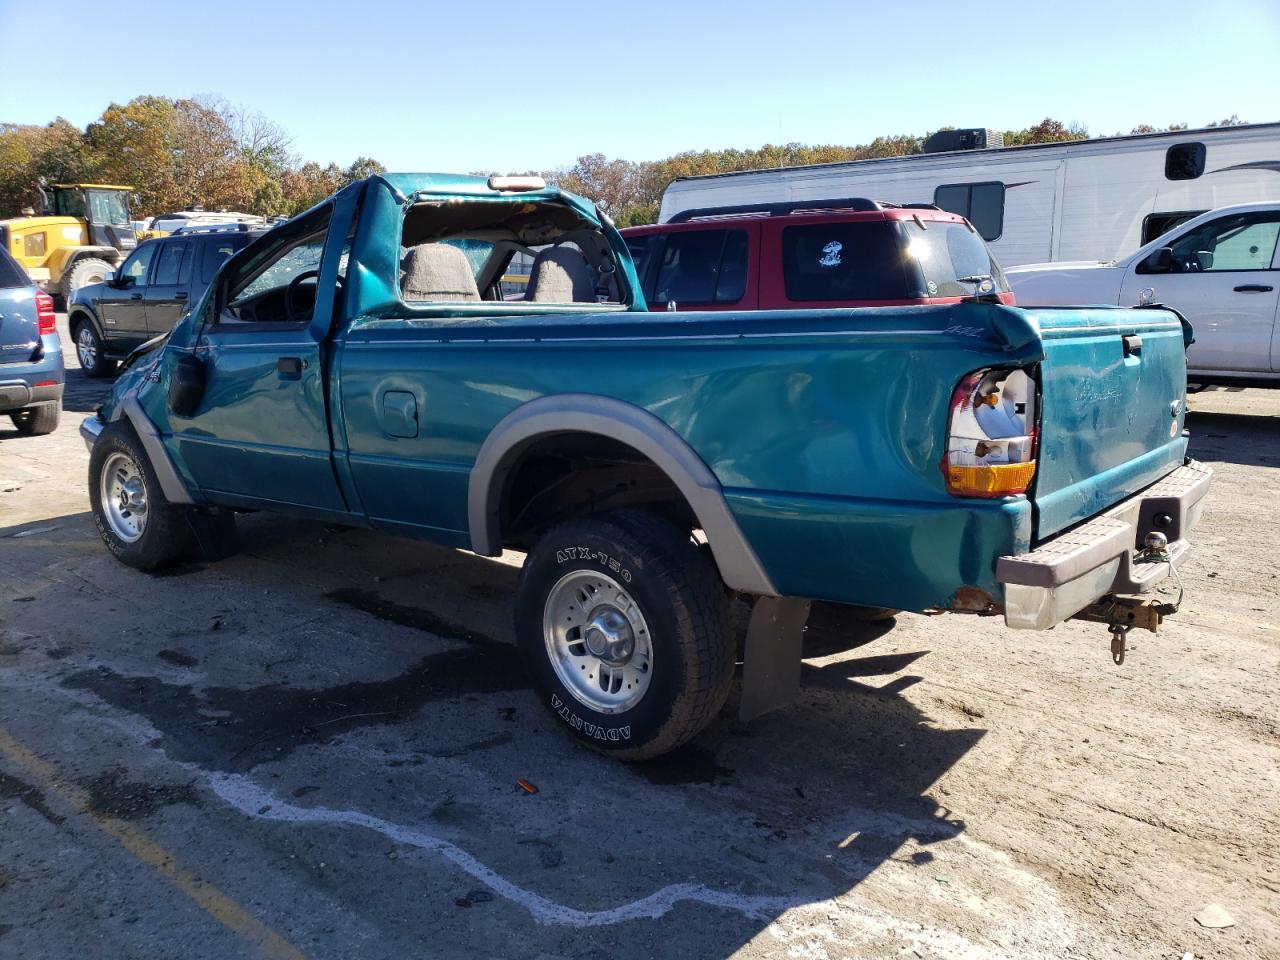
(845, 261)
(278, 285)
(170, 264)
(1244, 241)
(639, 248)
(214, 255)
(982, 204)
(139, 262)
(701, 267)
(1184, 161)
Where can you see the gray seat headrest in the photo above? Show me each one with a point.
(561, 275)
(437, 271)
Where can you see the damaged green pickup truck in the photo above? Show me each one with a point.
(361, 364)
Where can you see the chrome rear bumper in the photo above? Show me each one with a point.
(1069, 572)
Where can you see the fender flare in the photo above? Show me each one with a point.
(175, 491)
(91, 317)
(739, 566)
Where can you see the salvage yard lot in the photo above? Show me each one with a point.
(313, 748)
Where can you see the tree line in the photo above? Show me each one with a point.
(178, 153)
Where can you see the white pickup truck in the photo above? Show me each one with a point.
(1221, 270)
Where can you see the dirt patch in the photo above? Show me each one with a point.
(115, 795)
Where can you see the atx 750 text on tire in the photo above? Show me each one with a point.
(623, 624)
(137, 523)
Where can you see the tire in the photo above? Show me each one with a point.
(680, 657)
(89, 348)
(38, 420)
(84, 272)
(161, 534)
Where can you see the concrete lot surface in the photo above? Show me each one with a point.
(313, 748)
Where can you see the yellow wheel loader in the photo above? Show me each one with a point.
(85, 231)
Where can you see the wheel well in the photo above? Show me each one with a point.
(573, 474)
(75, 318)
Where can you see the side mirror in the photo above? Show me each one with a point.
(186, 385)
(110, 278)
(1159, 262)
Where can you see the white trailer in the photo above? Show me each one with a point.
(1084, 200)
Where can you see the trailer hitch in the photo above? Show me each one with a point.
(1122, 614)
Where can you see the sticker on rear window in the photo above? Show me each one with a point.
(831, 254)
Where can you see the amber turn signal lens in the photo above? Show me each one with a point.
(994, 480)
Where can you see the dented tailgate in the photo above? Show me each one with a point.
(1114, 385)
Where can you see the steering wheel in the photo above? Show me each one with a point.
(292, 289)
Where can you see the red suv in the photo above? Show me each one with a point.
(814, 253)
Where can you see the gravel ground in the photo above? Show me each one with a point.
(313, 748)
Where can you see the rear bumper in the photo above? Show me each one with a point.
(25, 391)
(1072, 570)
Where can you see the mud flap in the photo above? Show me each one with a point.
(771, 664)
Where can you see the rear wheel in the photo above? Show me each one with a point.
(89, 349)
(622, 622)
(38, 420)
(86, 271)
(135, 520)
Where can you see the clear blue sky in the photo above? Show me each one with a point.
(466, 85)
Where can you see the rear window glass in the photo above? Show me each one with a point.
(845, 261)
(11, 272)
(948, 252)
(639, 248)
(702, 267)
(215, 254)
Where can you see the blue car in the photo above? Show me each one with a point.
(31, 372)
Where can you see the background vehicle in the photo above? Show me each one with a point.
(31, 373)
(149, 293)
(1221, 270)
(177, 220)
(85, 232)
(820, 253)
(360, 364)
(1082, 200)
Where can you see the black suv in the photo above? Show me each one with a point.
(149, 292)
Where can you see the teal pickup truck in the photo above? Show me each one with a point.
(361, 364)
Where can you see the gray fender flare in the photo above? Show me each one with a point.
(637, 428)
(175, 491)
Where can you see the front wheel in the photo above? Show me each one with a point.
(90, 350)
(622, 622)
(135, 520)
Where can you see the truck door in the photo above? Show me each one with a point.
(1223, 277)
(261, 431)
(166, 295)
(120, 304)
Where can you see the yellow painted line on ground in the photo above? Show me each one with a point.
(209, 898)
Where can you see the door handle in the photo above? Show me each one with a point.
(179, 296)
(290, 368)
(1131, 344)
(1253, 288)
(135, 296)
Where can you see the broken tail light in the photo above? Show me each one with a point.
(992, 435)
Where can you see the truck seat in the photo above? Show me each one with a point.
(437, 271)
(561, 275)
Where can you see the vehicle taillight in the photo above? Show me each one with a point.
(45, 319)
(992, 435)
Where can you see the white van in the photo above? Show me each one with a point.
(1221, 270)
